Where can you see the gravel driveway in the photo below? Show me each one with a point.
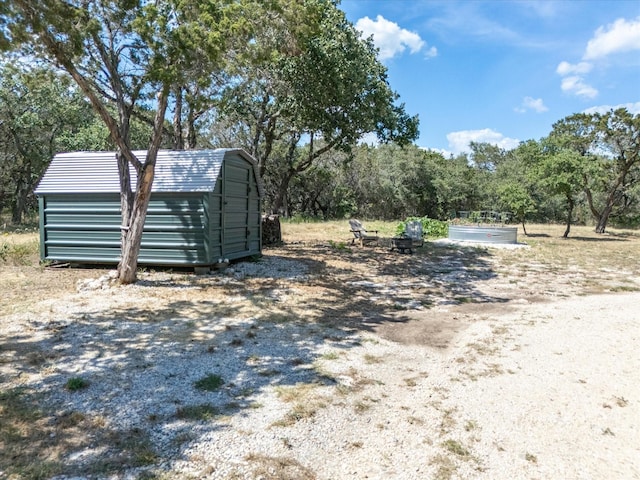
(316, 363)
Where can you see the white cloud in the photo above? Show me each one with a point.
(432, 52)
(633, 108)
(619, 36)
(577, 86)
(566, 68)
(459, 141)
(390, 38)
(530, 103)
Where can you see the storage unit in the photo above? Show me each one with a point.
(205, 206)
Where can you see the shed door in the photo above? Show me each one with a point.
(237, 195)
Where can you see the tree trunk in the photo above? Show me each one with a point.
(280, 199)
(524, 228)
(126, 196)
(178, 138)
(604, 218)
(133, 240)
(132, 236)
(19, 203)
(570, 204)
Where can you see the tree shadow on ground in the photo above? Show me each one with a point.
(262, 326)
(603, 239)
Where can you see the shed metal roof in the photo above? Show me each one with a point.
(176, 171)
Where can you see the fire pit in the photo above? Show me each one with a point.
(401, 244)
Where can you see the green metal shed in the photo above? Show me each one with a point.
(205, 206)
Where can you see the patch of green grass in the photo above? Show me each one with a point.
(277, 468)
(305, 403)
(464, 299)
(456, 447)
(295, 392)
(76, 383)
(202, 412)
(300, 411)
(339, 246)
(624, 288)
(210, 383)
(361, 406)
(470, 425)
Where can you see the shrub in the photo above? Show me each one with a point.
(431, 227)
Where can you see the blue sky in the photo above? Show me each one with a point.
(503, 71)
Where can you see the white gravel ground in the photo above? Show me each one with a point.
(539, 391)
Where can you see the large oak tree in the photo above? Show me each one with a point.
(308, 79)
(126, 54)
(609, 147)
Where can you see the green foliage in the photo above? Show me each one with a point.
(298, 92)
(210, 383)
(431, 228)
(516, 199)
(21, 253)
(307, 74)
(339, 246)
(76, 383)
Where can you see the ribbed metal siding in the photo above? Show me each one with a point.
(241, 221)
(176, 171)
(182, 228)
(86, 228)
(471, 233)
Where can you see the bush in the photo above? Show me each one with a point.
(432, 228)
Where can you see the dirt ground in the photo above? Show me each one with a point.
(434, 303)
(469, 281)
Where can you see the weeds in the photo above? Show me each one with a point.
(202, 412)
(339, 246)
(20, 253)
(456, 447)
(24, 438)
(210, 383)
(305, 403)
(76, 383)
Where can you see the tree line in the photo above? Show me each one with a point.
(586, 171)
(294, 84)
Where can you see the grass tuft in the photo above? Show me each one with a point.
(202, 412)
(210, 383)
(76, 383)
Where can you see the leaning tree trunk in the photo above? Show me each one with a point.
(604, 218)
(570, 204)
(131, 246)
(132, 241)
(279, 202)
(524, 228)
